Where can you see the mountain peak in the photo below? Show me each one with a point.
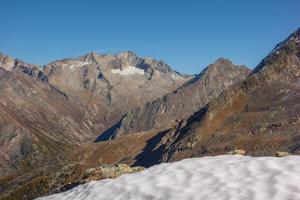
(127, 54)
(7, 62)
(222, 60)
(221, 67)
(187, 99)
(224, 64)
(282, 61)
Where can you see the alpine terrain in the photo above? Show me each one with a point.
(100, 116)
(45, 110)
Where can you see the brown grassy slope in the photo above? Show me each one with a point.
(36, 122)
(70, 166)
(184, 101)
(260, 115)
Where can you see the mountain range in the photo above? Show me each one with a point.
(46, 109)
(79, 113)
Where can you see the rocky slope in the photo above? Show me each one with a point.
(107, 86)
(36, 121)
(261, 115)
(181, 103)
(43, 111)
(133, 149)
(258, 116)
(65, 178)
(10, 64)
(75, 166)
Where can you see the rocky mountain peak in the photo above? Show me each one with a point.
(149, 65)
(6, 62)
(249, 115)
(222, 67)
(184, 101)
(225, 63)
(222, 60)
(10, 64)
(282, 62)
(114, 83)
(129, 59)
(89, 57)
(126, 60)
(128, 55)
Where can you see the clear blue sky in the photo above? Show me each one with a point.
(188, 35)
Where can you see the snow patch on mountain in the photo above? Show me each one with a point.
(128, 71)
(220, 177)
(78, 64)
(176, 76)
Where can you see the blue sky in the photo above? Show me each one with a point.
(188, 34)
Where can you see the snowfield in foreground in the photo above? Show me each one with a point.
(220, 177)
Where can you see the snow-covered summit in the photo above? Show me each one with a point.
(220, 177)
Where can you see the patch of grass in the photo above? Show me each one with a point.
(31, 190)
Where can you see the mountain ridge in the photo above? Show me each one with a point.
(45, 113)
(189, 97)
(255, 116)
(254, 107)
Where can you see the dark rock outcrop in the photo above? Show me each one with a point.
(10, 64)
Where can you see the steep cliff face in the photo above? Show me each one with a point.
(181, 103)
(260, 115)
(10, 64)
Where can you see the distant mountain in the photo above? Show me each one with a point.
(10, 64)
(45, 110)
(131, 148)
(257, 114)
(187, 99)
(107, 86)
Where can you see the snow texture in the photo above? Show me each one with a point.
(220, 177)
(78, 64)
(176, 76)
(128, 71)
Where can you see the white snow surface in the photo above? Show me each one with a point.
(78, 64)
(128, 71)
(176, 76)
(220, 177)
